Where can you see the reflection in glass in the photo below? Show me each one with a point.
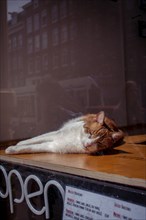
(65, 58)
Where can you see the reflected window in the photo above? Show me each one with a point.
(20, 40)
(71, 6)
(29, 24)
(64, 34)
(63, 9)
(55, 36)
(81, 97)
(44, 40)
(14, 61)
(44, 17)
(72, 57)
(14, 42)
(26, 106)
(45, 62)
(64, 57)
(9, 44)
(37, 64)
(54, 13)
(36, 22)
(67, 40)
(14, 18)
(73, 30)
(55, 60)
(35, 3)
(20, 62)
(29, 45)
(94, 100)
(9, 65)
(30, 66)
(37, 42)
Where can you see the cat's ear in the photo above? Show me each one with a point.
(100, 117)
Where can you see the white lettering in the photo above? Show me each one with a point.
(59, 187)
(25, 194)
(2, 195)
(28, 196)
(10, 188)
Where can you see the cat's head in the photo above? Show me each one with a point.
(108, 133)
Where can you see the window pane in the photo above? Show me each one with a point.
(92, 54)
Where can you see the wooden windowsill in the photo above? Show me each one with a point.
(126, 164)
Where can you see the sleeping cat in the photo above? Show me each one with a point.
(90, 133)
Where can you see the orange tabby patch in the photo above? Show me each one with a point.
(98, 125)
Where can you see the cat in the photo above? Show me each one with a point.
(85, 134)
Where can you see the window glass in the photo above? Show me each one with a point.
(63, 9)
(55, 36)
(29, 24)
(60, 58)
(44, 17)
(36, 22)
(37, 42)
(44, 40)
(29, 45)
(54, 13)
(64, 34)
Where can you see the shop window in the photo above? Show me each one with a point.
(70, 38)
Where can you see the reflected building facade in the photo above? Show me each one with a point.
(68, 57)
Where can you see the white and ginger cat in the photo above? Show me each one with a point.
(90, 133)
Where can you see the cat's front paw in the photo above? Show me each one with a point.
(11, 150)
(91, 142)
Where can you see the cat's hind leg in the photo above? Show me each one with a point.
(32, 148)
(48, 137)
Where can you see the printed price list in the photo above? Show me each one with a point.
(84, 205)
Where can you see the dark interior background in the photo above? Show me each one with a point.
(63, 58)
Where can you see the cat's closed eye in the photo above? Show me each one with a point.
(105, 129)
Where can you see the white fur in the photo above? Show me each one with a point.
(71, 138)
